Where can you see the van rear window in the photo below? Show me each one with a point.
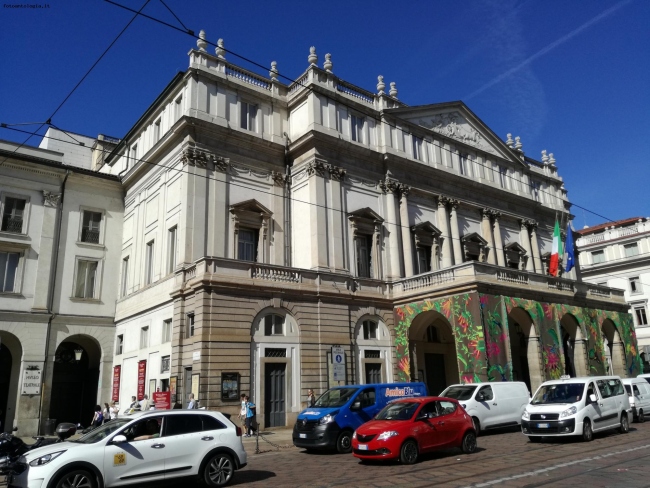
(459, 392)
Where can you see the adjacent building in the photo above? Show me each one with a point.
(617, 255)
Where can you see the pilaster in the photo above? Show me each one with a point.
(337, 219)
(318, 214)
(524, 238)
(486, 230)
(443, 223)
(455, 232)
(498, 241)
(51, 203)
(535, 248)
(407, 245)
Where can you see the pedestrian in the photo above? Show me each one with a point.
(191, 404)
(250, 417)
(311, 398)
(242, 410)
(98, 418)
(114, 410)
(106, 412)
(145, 404)
(134, 404)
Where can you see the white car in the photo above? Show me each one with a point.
(147, 446)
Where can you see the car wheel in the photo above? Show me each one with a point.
(625, 424)
(79, 478)
(477, 425)
(409, 452)
(218, 470)
(344, 442)
(641, 417)
(587, 433)
(535, 440)
(469, 443)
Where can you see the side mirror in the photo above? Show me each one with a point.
(356, 405)
(119, 439)
(592, 398)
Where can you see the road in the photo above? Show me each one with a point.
(503, 459)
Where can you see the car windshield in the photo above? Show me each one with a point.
(397, 411)
(559, 393)
(459, 392)
(336, 397)
(102, 432)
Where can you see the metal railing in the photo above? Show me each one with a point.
(90, 235)
(12, 224)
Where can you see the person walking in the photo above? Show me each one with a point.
(134, 404)
(145, 404)
(98, 417)
(191, 404)
(250, 417)
(114, 410)
(242, 411)
(106, 412)
(311, 398)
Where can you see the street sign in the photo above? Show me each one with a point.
(338, 363)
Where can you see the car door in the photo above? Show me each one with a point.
(607, 406)
(189, 444)
(447, 423)
(426, 429)
(486, 406)
(135, 461)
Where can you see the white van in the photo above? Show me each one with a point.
(491, 405)
(638, 392)
(645, 376)
(577, 406)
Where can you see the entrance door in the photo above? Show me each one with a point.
(5, 378)
(435, 373)
(373, 373)
(274, 395)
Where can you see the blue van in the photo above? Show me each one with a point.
(340, 410)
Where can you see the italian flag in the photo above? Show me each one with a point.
(556, 251)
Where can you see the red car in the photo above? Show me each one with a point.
(408, 427)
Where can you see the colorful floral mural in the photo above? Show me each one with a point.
(496, 337)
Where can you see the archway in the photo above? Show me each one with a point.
(525, 349)
(75, 378)
(614, 349)
(573, 346)
(372, 351)
(432, 347)
(10, 357)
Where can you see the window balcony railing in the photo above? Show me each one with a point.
(90, 236)
(12, 224)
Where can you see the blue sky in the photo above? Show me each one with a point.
(571, 77)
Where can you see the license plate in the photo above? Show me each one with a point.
(363, 447)
(543, 426)
(302, 436)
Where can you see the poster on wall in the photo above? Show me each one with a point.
(162, 400)
(195, 386)
(32, 375)
(172, 388)
(142, 374)
(117, 373)
(331, 380)
(230, 386)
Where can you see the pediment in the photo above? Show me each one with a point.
(251, 206)
(366, 214)
(515, 247)
(455, 121)
(474, 237)
(426, 228)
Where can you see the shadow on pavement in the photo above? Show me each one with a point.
(250, 475)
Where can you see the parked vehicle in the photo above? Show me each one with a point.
(645, 376)
(638, 392)
(406, 428)
(491, 405)
(340, 410)
(12, 446)
(577, 406)
(147, 446)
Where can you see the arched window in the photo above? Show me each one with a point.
(274, 325)
(432, 334)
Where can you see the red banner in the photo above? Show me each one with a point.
(117, 373)
(142, 374)
(162, 400)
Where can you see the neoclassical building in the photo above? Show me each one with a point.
(265, 223)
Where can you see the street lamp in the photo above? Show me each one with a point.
(77, 354)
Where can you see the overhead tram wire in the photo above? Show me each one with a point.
(377, 119)
(49, 119)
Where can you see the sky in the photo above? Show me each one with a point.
(568, 76)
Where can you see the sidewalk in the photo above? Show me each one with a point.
(270, 440)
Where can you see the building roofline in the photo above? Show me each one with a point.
(616, 223)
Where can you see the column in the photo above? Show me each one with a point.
(318, 215)
(337, 217)
(376, 252)
(525, 243)
(279, 224)
(217, 210)
(498, 242)
(535, 248)
(406, 231)
(443, 223)
(455, 233)
(486, 230)
(393, 248)
(46, 251)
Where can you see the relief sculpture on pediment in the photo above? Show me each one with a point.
(454, 125)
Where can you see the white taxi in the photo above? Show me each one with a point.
(145, 447)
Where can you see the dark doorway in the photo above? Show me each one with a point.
(435, 373)
(519, 350)
(569, 357)
(373, 373)
(5, 379)
(274, 395)
(74, 386)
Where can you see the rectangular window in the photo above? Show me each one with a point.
(86, 277)
(189, 331)
(167, 331)
(464, 165)
(418, 144)
(369, 329)
(641, 318)
(178, 108)
(597, 257)
(90, 226)
(156, 131)
(364, 256)
(356, 128)
(144, 337)
(635, 285)
(125, 277)
(148, 264)
(8, 270)
(248, 115)
(13, 215)
(424, 259)
(119, 344)
(273, 325)
(171, 250)
(165, 363)
(631, 250)
(503, 177)
(247, 245)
